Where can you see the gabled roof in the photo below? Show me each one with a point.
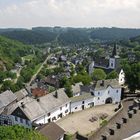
(38, 92)
(103, 84)
(77, 87)
(21, 94)
(82, 97)
(36, 108)
(103, 62)
(6, 98)
(52, 131)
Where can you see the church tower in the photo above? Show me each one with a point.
(114, 58)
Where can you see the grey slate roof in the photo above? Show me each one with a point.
(35, 109)
(81, 97)
(21, 94)
(111, 82)
(52, 131)
(6, 98)
(77, 87)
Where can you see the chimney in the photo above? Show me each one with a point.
(56, 94)
(102, 83)
(37, 99)
(22, 105)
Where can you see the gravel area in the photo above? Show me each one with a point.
(83, 121)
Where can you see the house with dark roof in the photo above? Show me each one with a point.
(108, 63)
(52, 81)
(7, 99)
(52, 131)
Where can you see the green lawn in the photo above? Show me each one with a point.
(36, 68)
(29, 57)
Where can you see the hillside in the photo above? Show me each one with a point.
(11, 52)
(39, 35)
(114, 33)
(136, 39)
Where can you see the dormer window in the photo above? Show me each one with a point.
(92, 93)
(108, 92)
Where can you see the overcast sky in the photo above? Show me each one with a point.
(74, 13)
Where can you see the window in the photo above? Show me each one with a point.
(117, 91)
(27, 122)
(98, 98)
(5, 121)
(60, 108)
(21, 120)
(111, 64)
(98, 93)
(83, 102)
(16, 119)
(49, 114)
(66, 105)
(108, 92)
(92, 93)
(75, 107)
(66, 111)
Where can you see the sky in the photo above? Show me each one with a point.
(72, 13)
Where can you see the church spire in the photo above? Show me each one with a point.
(114, 52)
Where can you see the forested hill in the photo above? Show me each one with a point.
(11, 52)
(39, 35)
(135, 39)
(114, 33)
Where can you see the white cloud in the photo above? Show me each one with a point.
(121, 13)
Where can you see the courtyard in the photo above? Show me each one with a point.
(86, 121)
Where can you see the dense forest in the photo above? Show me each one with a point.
(11, 52)
(24, 60)
(39, 35)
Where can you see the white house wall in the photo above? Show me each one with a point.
(121, 77)
(54, 113)
(102, 95)
(77, 106)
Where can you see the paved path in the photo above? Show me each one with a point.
(34, 76)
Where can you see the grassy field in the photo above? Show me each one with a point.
(36, 68)
(29, 57)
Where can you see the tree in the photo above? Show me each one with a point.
(68, 89)
(2, 76)
(19, 133)
(98, 74)
(132, 76)
(82, 77)
(112, 75)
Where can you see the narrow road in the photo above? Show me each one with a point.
(34, 76)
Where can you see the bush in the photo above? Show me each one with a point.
(103, 123)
